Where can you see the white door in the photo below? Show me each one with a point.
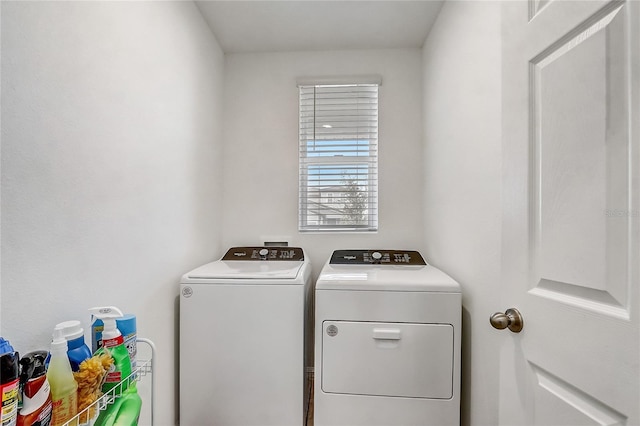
(571, 224)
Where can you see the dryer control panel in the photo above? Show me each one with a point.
(382, 257)
(264, 253)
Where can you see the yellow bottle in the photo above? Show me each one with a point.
(64, 389)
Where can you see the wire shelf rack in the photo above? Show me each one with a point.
(143, 368)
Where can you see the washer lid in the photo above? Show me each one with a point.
(246, 269)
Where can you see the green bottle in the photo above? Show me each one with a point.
(125, 411)
(126, 408)
(113, 342)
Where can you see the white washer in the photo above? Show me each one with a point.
(387, 341)
(242, 339)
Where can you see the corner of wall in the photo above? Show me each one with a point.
(462, 181)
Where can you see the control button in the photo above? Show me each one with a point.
(376, 255)
(264, 252)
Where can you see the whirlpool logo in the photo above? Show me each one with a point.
(187, 292)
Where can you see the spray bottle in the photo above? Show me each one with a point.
(113, 342)
(36, 401)
(9, 383)
(125, 411)
(127, 327)
(64, 389)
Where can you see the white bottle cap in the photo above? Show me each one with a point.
(108, 315)
(71, 329)
(59, 343)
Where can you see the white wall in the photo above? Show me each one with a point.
(111, 127)
(462, 163)
(261, 148)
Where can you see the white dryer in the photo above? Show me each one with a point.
(387, 341)
(242, 339)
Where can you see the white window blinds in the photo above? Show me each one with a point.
(338, 157)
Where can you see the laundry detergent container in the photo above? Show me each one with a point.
(387, 341)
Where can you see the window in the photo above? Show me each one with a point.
(338, 157)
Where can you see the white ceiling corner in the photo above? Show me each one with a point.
(275, 26)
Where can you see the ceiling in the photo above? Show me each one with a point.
(276, 26)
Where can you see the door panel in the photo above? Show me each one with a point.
(560, 403)
(571, 241)
(580, 153)
(388, 359)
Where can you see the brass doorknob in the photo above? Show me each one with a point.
(512, 319)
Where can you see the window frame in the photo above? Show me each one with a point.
(358, 161)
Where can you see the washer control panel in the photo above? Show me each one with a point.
(382, 257)
(264, 253)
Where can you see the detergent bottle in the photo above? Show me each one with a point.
(64, 389)
(36, 401)
(125, 411)
(77, 350)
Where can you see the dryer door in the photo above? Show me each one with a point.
(388, 359)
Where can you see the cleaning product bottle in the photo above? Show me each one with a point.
(96, 333)
(36, 400)
(125, 411)
(9, 383)
(63, 386)
(127, 327)
(113, 342)
(77, 351)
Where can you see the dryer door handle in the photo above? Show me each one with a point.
(386, 334)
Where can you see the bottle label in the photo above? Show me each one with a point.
(36, 394)
(40, 417)
(110, 343)
(64, 409)
(44, 417)
(130, 342)
(96, 335)
(9, 413)
(113, 376)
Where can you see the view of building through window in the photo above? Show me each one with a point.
(337, 200)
